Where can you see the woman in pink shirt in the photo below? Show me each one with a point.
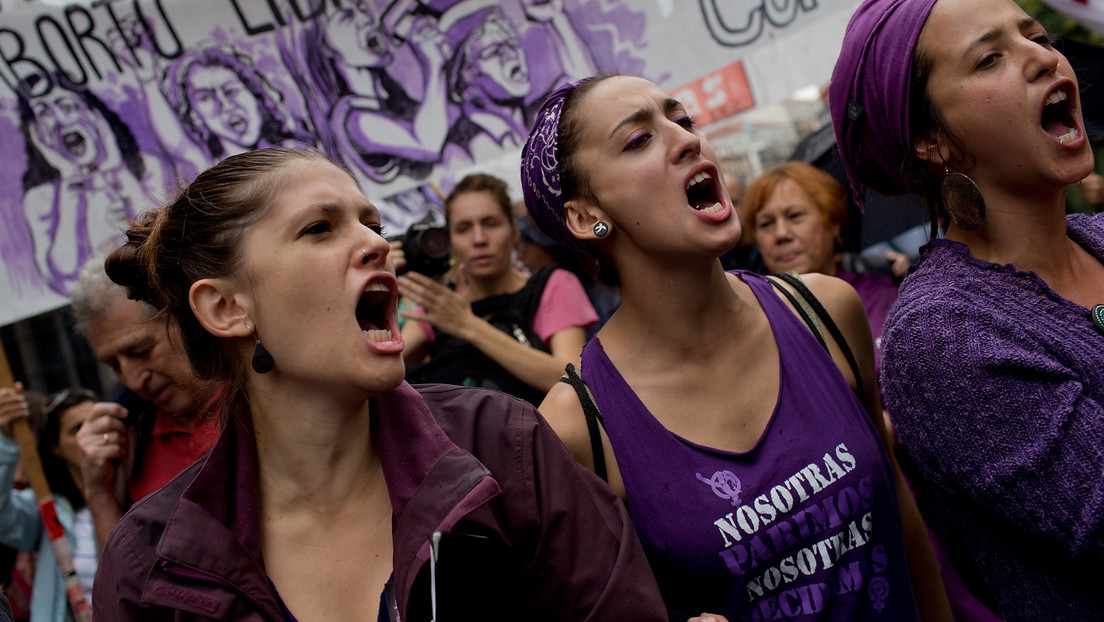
(500, 327)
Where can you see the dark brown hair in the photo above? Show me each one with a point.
(45, 417)
(480, 182)
(198, 236)
(574, 178)
(926, 122)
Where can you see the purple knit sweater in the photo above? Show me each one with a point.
(996, 385)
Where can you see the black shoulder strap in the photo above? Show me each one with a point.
(825, 318)
(803, 309)
(593, 418)
(537, 282)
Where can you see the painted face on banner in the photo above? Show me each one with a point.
(224, 105)
(496, 61)
(356, 39)
(65, 125)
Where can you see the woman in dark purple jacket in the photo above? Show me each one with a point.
(335, 489)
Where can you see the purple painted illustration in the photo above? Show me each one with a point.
(84, 176)
(399, 91)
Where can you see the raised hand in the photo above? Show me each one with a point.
(103, 442)
(13, 406)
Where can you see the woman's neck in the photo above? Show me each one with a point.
(1031, 235)
(1027, 232)
(682, 311)
(313, 453)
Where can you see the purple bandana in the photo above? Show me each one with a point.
(540, 171)
(869, 93)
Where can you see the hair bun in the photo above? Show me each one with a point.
(127, 267)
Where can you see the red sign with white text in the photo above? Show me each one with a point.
(717, 95)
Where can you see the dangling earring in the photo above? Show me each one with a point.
(601, 229)
(963, 200)
(262, 360)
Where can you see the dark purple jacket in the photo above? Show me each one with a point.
(540, 538)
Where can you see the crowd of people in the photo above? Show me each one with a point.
(707, 443)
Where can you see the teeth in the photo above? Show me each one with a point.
(1055, 97)
(697, 179)
(1068, 136)
(712, 208)
(378, 334)
(376, 287)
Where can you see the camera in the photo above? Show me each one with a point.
(427, 249)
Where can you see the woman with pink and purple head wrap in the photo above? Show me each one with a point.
(993, 355)
(716, 407)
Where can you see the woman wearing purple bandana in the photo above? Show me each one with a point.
(747, 452)
(993, 355)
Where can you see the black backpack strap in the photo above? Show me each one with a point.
(593, 418)
(803, 309)
(825, 318)
(538, 280)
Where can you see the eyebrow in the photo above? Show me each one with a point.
(1024, 24)
(330, 209)
(641, 114)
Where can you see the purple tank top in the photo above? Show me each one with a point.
(804, 526)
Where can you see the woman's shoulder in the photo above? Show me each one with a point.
(944, 268)
(479, 420)
(155, 509)
(1088, 230)
(503, 433)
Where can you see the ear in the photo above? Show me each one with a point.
(929, 149)
(220, 308)
(581, 216)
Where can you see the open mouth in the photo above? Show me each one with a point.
(1058, 116)
(703, 193)
(236, 123)
(517, 73)
(374, 43)
(375, 312)
(74, 142)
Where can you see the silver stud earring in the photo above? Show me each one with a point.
(601, 229)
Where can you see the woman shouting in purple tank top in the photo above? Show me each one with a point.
(750, 455)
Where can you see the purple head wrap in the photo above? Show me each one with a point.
(868, 95)
(540, 170)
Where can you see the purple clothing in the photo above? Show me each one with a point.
(869, 93)
(556, 542)
(804, 526)
(996, 386)
(878, 293)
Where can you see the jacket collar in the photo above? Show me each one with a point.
(220, 509)
(431, 489)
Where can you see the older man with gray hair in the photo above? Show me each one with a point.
(167, 420)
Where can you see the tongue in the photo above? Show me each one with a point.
(1055, 127)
